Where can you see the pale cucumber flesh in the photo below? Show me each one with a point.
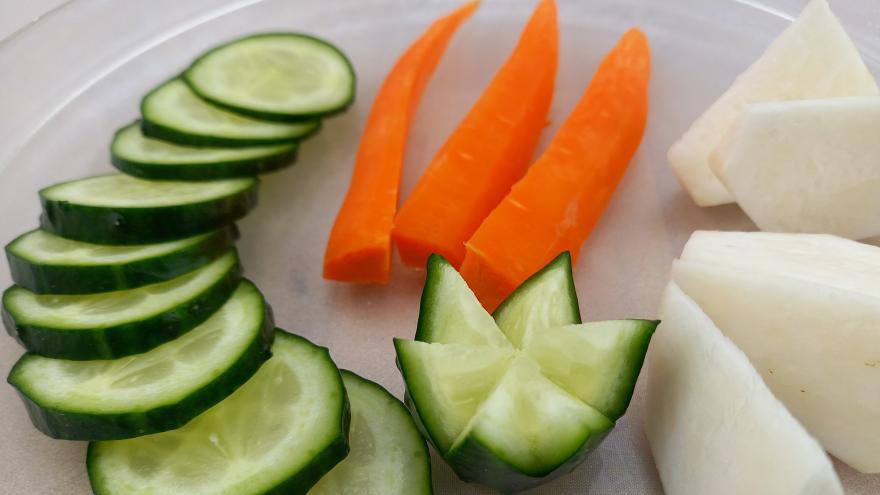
(545, 300)
(450, 312)
(40, 246)
(131, 145)
(123, 191)
(448, 382)
(388, 455)
(163, 375)
(111, 308)
(275, 73)
(276, 426)
(175, 105)
(531, 423)
(596, 362)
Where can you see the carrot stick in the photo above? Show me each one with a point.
(359, 248)
(488, 152)
(556, 205)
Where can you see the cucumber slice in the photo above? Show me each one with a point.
(527, 432)
(46, 263)
(598, 362)
(278, 433)
(158, 390)
(547, 299)
(119, 209)
(275, 76)
(174, 113)
(109, 325)
(447, 383)
(450, 312)
(388, 455)
(141, 156)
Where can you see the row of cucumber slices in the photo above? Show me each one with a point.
(144, 338)
(240, 109)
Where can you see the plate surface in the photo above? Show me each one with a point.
(71, 79)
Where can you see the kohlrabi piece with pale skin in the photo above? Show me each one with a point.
(712, 423)
(807, 166)
(812, 58)
(806, 310)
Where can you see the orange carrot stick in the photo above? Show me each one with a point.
(556, 205)
(488, 152)
(359, 248)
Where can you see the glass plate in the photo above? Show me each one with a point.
(70, 79)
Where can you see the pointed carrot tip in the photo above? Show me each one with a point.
(470, 7)
(636, 34)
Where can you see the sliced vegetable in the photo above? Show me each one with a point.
(388, 455)
(174, 113)
(359, 248)
(515, 417)
(812, 58)
(279, 433)
(806, 166)
(546, 299)
(528, 432)
(118, 209)
(712, 423)
(47, 264)
(150, 158)
(158, 390)
(559, 201)
(450, 313)
(597, 362)
(275, 76)
(805, 309)
(110, 325)
(488, 152)
(448, 382)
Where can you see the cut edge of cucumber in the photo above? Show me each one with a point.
(187, 77)
(528, 295)
(77, 423)
(431, 420)
(273, 157)
(420, 474)
(127, 223)
(124, 338)
(312, 463)
(591, 422)
(617, 372)
(77, 277)
(154, 127)
(442, 283)
(156, 130)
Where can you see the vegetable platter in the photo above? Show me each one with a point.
(63, 97)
